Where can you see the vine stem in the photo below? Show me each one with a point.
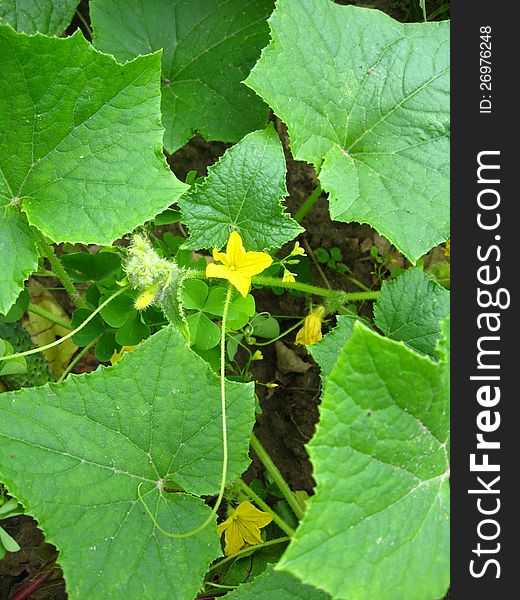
(70, 334)
(276, 517)
(313, 289)
(223, 477)
(41, 312)
(78, 357)
(273, 470)
(308, 204)
(57, 267)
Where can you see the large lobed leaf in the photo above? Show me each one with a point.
(366, 100)
(209, 48)
(411, 308)
(31, 16)
(242, 192)
(81, 151)
(377, 527)
(75, 453)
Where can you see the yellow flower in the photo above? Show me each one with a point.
(238, 265)
(243, 527)
(117, 355)
(447, 248)
(288, 276)
(297, 250)
(257, 355)
(310, 333)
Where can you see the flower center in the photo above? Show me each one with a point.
(232, 268)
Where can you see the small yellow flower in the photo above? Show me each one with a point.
(238, 265)
(288, 276)
(117, 355)
(243, 527)
(257, 355)
(447, 248)
(310, 333)
(297, 250)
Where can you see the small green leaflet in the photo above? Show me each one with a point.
(209, 49)
(273, 585)
(377, 527)
(51, 17)
(81, 155)
(366, 100)
(411, 309)
(75, 453)
(243, 191)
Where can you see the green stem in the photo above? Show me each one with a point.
(78, 357)
(69, 335)
(308, 204)
(313, 289)
(265, 507)
(247, 551)
(277, 477)
(223, 477)
(58, 267)
(41, 312)
(85, 23)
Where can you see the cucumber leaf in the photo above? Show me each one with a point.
(377, 527)
(50, 17)
(411, 308)
(81, 155)
(366, 100)
(209, 47)
(243, 191)
(272, 585)
(75, 453)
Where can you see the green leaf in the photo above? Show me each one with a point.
(327, 350)
(266, 327)
(50, 17)
(204, 334)
(366, 100)
(118, 310)
(75, 453)
(133, 331)
(272, 585)
(243, 191)
(16, 312)
(82, 150)
(377, 527)
(209, 47)
(18, 250)
(9, 543)
(91, 330)
(83, 266)
(410, 309)
(194, 294)
(13, 366)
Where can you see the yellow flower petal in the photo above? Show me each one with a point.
(234, 539)
(253, 263)
(310, 333)
(248, 512)
(243, 526)
(223, 526)
(238, 265)
(235, 248)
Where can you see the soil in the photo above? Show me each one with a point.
(289, 411)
